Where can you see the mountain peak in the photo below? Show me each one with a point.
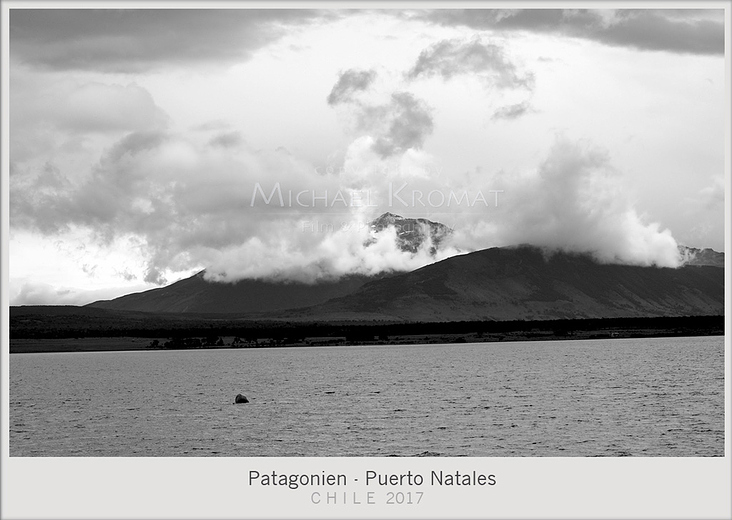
(391, 217)
(411, 233)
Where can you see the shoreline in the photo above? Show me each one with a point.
(136, 343)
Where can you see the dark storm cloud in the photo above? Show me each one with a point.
(449, 58)
(349, 83)
(134, 40)
(691, 31)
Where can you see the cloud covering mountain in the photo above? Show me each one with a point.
(256, 149)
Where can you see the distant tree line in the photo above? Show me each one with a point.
(208, 331)
(181, 342)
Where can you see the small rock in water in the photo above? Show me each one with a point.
(240, 399)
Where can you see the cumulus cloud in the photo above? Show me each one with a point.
(687, 31)
(397, 123)
(350, 248)
(573, 201)
(512, 111)
(487, 61)
(238, 211)
(137, 40)
(403, 123)
(39, 196)
(349, 83)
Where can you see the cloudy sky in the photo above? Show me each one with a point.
(148, 144)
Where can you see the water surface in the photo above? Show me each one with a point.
(629, 397)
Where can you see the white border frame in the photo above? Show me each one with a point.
(217, 488)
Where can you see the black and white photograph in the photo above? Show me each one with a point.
(406, 235)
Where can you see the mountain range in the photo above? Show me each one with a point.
(514, 283)
(526, 283)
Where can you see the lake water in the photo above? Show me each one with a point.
(634, 397)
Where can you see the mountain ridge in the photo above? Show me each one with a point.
(523, 283)
(492, 284)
